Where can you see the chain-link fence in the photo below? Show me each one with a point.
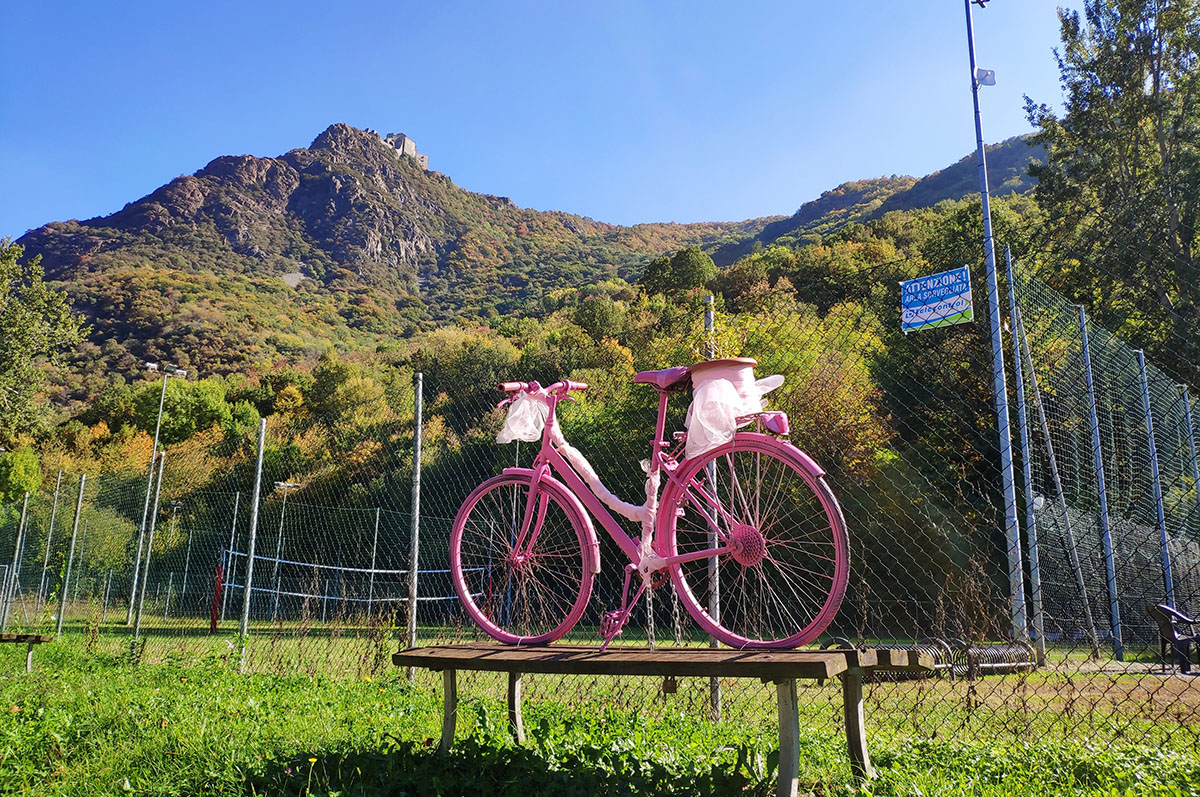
(299, 556)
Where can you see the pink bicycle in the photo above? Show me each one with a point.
(748, 532)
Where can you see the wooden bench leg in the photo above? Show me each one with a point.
(29, 658)
(449, 710)
(789, 738)
(856, 738)
(514, 707)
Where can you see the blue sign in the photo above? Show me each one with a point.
(939, 300)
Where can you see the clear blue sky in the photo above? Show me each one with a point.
(622, 111)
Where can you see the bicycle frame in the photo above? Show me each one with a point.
(559, 457)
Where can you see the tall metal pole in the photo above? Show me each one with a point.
(374, 547)
(137, 618)
(1031, 535)
(162, 396)
(1168, 582)
(1110, 568)
(248, 580)
(10, 583)
(1191, 436)
(414, 534)
(1072, 547)
(49, 536)
(62, 596)
(1016, 590)
(229, 560)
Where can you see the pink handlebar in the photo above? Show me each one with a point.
(564, 386)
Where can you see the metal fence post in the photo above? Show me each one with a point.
(62, 598)
(167, 602)
(187, 561)
(41, 592)
(107, 585)
(146, 504)
(1072, 547)
(10, 581)
(78, 576)
(229, 560)
(1035, 572)
(1168, 582)
(374, 547)
(1110, 569)
(1191, 437)
(248, 580)
(415, 527)
(1012, 531)
(714, 573)
(145, 580)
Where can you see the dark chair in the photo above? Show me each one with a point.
(1171, 624)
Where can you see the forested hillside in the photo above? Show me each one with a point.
(255, 262)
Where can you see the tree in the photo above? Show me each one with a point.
(188, 407)
(686, 269)
(1121, 188)
(19, 474)
(36, 327)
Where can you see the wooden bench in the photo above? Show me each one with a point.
(28, 639)
(781, 667)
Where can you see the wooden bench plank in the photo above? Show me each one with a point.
(903, 659)
(568, 660)
(32, 639)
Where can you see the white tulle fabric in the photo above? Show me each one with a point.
(716, 406)
(525, 421)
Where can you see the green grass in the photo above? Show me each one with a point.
(91, 723)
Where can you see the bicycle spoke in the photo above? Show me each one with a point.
(790, 590)
(524, 594)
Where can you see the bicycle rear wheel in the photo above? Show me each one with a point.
(525, 599)
(784, 578)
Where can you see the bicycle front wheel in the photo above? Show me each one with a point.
(527, 597)
(785, 573)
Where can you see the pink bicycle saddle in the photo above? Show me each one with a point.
(664, 379)
(669, 378)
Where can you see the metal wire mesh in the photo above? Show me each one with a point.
(904, 427)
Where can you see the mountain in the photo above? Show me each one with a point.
(349, 241)
(354, 242)
(863, 200)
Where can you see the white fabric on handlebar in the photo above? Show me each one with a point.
(716, 406)
(525, 421)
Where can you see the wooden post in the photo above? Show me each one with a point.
(856, 738)
(449, 710)
(514, 707)
(789, 738)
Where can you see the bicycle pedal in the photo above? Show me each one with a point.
(611, 624)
